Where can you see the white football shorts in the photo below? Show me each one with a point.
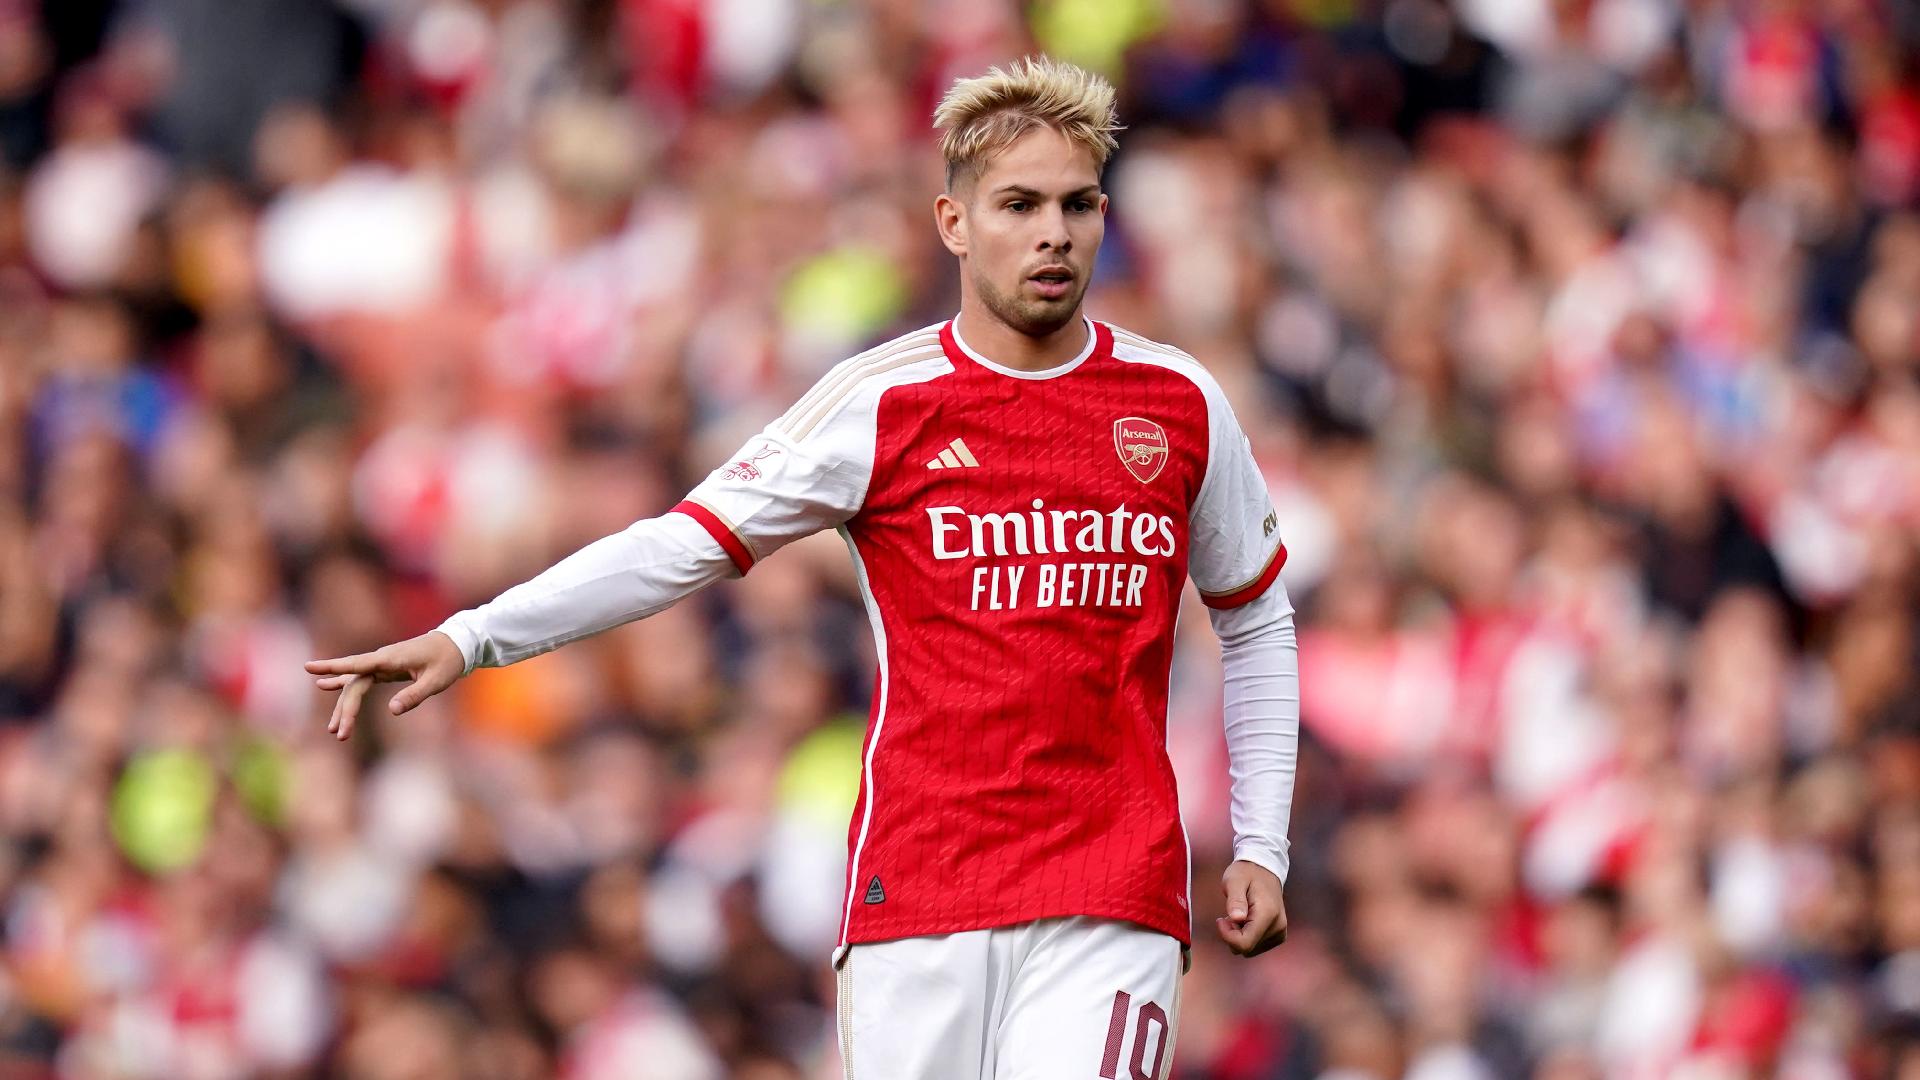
(1075, 998)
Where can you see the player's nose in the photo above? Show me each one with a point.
(1054, 236)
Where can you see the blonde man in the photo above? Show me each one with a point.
(1024, 492)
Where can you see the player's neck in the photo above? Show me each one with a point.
(1008, 347)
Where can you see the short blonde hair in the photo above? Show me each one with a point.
(982, 116)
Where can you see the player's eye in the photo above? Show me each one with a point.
(1018, 206)
(1080, 206)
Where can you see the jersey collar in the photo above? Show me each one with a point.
(1099, 342)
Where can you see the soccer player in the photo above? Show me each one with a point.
(1023, 491)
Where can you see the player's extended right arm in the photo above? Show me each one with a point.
(784, 484)
(806, 471)
(646, 567)
(777, 490)
(637, 571)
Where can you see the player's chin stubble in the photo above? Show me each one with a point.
(1032, 316)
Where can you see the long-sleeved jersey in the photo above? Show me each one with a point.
(1021, 540)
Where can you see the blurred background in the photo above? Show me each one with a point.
(1579, 340)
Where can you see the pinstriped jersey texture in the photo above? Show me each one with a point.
(1023, 592)
(1022, 771)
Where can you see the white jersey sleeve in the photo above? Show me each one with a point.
(632, 574)
(809, 469)
(1235, 563)
(789, 481)
(1260, 662)
(1237, 552)
(806, 471)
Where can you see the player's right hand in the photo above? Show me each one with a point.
(428, 664)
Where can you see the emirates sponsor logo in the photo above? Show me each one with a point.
(1046, 531)
(1142, 446)
(1068, 579)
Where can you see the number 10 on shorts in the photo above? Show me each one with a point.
(1152, 1021)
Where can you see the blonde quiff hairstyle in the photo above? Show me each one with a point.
(982, 116)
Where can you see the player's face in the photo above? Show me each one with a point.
(1028, 230)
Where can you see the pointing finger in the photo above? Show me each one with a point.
(357, 664)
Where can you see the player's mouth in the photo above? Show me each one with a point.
(1052, 282)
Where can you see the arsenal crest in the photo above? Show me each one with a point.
(1142, 446)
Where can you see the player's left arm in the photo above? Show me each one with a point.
(1260, 660)
(1235, 562)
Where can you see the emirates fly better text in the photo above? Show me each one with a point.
(1041, 530)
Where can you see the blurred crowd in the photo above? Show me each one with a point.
(1580, 340)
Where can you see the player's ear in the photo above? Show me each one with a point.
(950, 218)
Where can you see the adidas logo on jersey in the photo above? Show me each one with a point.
(875, 894)
(955, 456)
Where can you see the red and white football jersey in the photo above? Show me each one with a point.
(1022, 539)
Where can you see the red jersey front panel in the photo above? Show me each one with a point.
(1019, 767)
(1022, 540)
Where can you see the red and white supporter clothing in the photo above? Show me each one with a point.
(1022, 539)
